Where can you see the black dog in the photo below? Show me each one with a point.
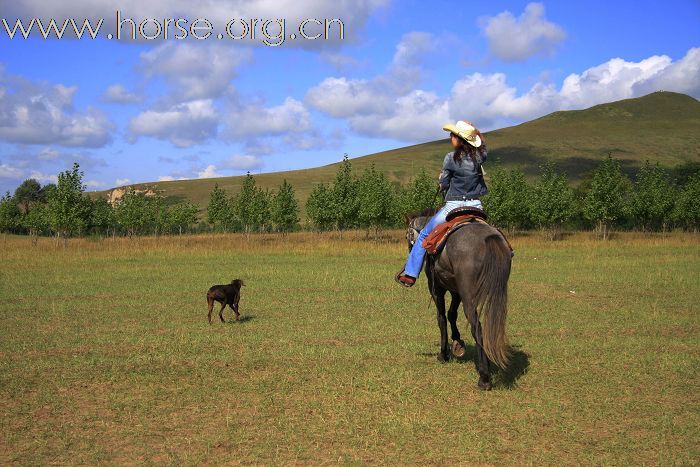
(228, 294)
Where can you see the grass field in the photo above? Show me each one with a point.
(107, 357)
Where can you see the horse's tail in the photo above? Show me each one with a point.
(492, 297)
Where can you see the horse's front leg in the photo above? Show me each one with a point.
(458, 347)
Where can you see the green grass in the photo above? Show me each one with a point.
(661, 126)
(107, 357)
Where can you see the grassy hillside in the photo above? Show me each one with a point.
(660, 126)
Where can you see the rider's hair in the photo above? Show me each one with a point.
(468, 150)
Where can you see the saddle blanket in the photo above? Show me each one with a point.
(435, 241)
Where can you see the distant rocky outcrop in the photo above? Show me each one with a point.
(117, 193)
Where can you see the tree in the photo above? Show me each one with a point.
(606, 201)
(68, 207)
(35, 221)
(374, 199)
(686, 211)
(345, 196)
(249, 205)
(10, 215)
(285, 209)
(652, 198)
(421, 194)
(218, 209)
(28, 192)
(102, 215)
(320, 207)
(131, 212)
(181, 216)
(552, 201)
(508, 198)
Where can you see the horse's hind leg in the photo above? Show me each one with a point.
(439, 297)
(482, 361)
(458, 349)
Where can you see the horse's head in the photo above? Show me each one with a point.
(415, 222)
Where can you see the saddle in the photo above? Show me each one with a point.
(455, 219)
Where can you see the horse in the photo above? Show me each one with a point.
(474, 266)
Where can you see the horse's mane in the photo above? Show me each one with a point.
(422, 213)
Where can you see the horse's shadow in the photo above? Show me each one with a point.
(507, 378)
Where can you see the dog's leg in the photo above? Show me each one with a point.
(221, 312)
(210, 302)
(234, 307)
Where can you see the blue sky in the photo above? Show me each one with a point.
(141, 111)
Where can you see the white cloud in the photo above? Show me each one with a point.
(339, 60)
(342, 97)
(416, 116)
(491, 102)
(43, 178)
(194, 71)
(680, 76)
(170, 178)
(118, 94)
(121, 181)
(514, 39)
(38, 112)
(209, 172)
(242, 162)
(94, 184)
(182, 124)
(245, 120)
(8, 171)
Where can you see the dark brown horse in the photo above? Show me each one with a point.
(474, 266)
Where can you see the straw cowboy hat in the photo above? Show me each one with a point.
(464, 130)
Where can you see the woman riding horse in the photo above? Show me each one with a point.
(462, 179)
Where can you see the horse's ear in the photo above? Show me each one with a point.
(406, 218)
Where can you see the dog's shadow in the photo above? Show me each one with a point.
(241, 320)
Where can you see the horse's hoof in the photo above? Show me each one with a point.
(458, 349)
(485, 384)
(443, 357)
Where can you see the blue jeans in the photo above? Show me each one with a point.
(414, 263)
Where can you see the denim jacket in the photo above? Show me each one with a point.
(463, 180)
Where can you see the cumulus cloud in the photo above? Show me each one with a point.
(38, 112)
(244, 120)
(194, 71)
(121, 181)
(491, 102)
(343, 98)
(242, 162)
(118, 94)
(209, 172)
(514, 39)
(8, 171)
(183, 124)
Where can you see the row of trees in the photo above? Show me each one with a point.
(655, 200)
(64, 210)
(254, 209)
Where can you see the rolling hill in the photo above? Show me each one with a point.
(661, 126)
